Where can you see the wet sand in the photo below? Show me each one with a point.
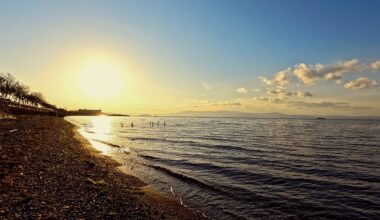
(48, 171)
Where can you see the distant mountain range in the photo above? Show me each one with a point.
(262, 115)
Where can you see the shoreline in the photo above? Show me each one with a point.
(48, 170)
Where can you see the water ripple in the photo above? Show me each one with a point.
(255, 168)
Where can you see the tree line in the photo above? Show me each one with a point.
(11, 89)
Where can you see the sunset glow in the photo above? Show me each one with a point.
(134, 57)
(191, 110)
(101, 80)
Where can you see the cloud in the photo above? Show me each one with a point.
(310, 73)
(227, 103)
(375, 65)
(242, 90)
(303, 94)
(266, 81)
(325, 104)
(322, 104)
(256, 90)
(266, 99)
(206, 86)
(361, 83)
(197, 103)
(280, 79)
(282, 94)
(312, 105)
(260, 98)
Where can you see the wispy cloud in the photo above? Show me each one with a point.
(268, 99)
(282, 94)
(261, 98)
(313, 105)
(303, 94)
(361, 83)
(206, 86)
(242, 90)
(208, 103)
(325, 104)
(227, 103)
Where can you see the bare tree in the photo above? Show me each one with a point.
(13, 90)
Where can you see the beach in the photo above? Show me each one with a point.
(48, 171)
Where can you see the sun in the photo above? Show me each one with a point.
(101, 80)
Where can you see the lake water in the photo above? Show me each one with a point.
(244, 168)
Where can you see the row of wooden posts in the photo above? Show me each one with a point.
(151, 124)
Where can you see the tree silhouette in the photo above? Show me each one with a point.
(12, 90)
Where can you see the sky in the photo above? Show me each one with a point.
(160, 56)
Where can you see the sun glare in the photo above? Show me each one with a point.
(101, 80)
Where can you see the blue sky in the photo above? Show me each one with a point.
(181, 46)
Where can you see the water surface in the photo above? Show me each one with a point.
(244, 168)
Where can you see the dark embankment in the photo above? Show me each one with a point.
(48, 172)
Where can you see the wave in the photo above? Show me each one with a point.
(196, 144)
(321, 176)
(107, 143)
(184, 177)
(234, 215)
(228, 190)
(286, 180)
(148, 157)
(161, 140)
(215, 138)
(261, 169)
(182, 162)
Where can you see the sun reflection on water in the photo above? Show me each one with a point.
(100, 129)
(101, 125)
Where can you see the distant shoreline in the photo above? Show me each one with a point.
(270, 115)
(251, 117)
